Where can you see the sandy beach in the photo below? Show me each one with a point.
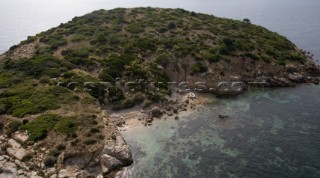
(137, 117)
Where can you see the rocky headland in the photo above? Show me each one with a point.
(65, 93)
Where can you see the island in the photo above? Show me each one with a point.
(61, 91)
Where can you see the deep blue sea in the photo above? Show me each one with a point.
(271, 133)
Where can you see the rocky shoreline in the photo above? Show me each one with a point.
(173, 52)
(110, 159)
(107, 161)
(99, 163)
(102, 162)
(171, 107)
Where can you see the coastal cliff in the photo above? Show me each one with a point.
(59, 89)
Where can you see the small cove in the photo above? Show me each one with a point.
(269, 133)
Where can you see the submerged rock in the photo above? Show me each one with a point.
(223, 116)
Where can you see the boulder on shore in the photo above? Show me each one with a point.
(16, 150)
(115, 155)
(156, 112)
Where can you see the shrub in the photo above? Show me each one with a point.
(295, 57)
(252, 56)
(97, 90)
(25, 99)
(137, 71)
(266, 58)
(94, 130)
(146, 103)
(199, 68)
(281, 62)
(27, 157)
(61, 146)
(163, 60)
(224, 50)
(68, 74)
(114, 93)
(128, 48)
(54, 152)
(49, 161)
(25, 121)
(30, 39)
(114, 40)
(213, 57)
(138, 98)
(104, 76)
(66, 125)
(162, 30)
(39, 127)
(40, 65)
(89, 141)
(86, 120)
(13, 127)
(13, 47)
(77, 38)
(81, 61)
(247, 21)
(145, 44)
(4, 147)
(74, 142)
(82, 53)
(135, 28)
(271, 52)
(115, 64)
(172, 25)
(88, 100)
(54, 40)
(43, 50)
(44, 79)
(7, 79)
(100, 136)
(129, 102)
(228, 43)
(100, 38)
(124, 104)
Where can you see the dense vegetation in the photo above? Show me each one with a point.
(39, 127)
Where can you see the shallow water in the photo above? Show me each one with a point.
(269, 133)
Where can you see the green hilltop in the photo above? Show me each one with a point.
(153, 44)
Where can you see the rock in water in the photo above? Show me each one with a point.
(222, 116)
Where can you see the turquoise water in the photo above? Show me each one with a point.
(270, 133)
